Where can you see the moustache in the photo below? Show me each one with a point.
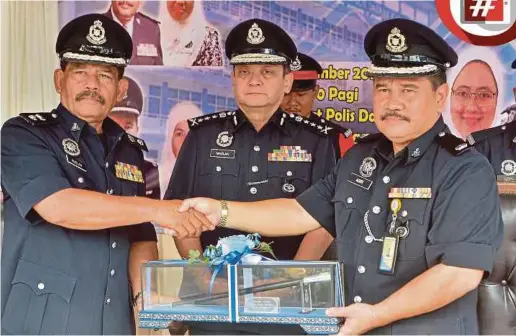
(90, 94)
(394, 114)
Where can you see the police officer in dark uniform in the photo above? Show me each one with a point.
(414, 209)
(301, 99)
(126, 114)
(144, 31)
(498, 144)
(256, 152)
(75, 235)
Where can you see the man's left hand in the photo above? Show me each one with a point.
(359, 318)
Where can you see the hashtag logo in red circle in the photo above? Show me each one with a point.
(479, 22)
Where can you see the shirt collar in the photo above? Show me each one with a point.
(77, 126)
(278, 120)
(129, 26)
(415, 150)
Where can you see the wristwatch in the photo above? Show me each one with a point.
(224, 212)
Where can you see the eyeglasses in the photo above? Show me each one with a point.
(481, 97)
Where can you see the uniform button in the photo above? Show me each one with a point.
(361, 269)
(357, 299)
(107, 164)
(80, 180)
(254, 169)
(386, 179)
(113, 245)
(404, 213)
(256, 148)
(112, 272)
(503, 128)
(289, 173)
(110, 192)
(41, 286)
(442, 134)
(368, 239)
(253, 190)
(349, 200)
(504, 283)
(108, 300)
(218, 168)
(376, 209)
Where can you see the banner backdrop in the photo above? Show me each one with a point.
(180, 65)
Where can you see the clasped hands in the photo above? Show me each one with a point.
(188, 218)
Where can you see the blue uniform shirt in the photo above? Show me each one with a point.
(458, 223)
(57, 280)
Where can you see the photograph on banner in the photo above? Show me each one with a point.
(191, 47)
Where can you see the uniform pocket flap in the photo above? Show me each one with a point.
(43, 280)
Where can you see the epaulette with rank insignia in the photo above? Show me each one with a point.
(368, 137)
(453, 144)
(209, 118)
(480, 136)
(40, 119)
(312, 124)
(137, 142)
(337, 129)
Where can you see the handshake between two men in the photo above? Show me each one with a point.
(278, 217)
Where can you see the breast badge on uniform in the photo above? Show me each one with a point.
(367, 167)
(128, 172)
(224, 139)
(508, 167)
(290, 154)
(71, 147)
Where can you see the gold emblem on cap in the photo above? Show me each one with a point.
(97, 34)
(255, 34)
(396, 41)
(296, 64)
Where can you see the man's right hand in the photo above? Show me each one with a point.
(209, 207)
(185, 224)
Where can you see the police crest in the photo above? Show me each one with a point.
(508, 167)
(97, 34)
(224, 139)
(367, 167)
(396, 41)
(255, 35)
(296, 65)
(71, 147)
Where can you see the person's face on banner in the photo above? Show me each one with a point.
(180, 10)
(300, 102)
(406, 108)
(125, 10)
(127, 120)
(89, 91)
(260, 85)
(179, 135)
(473, 100)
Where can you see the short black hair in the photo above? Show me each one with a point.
(120, 70)
(437, 80)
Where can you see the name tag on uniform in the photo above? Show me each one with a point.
(75, 162)
(128, 172)
(505, 178)
(410, 193)
(222, 153)
(146, 49)
(360, 181)
(290, 153)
